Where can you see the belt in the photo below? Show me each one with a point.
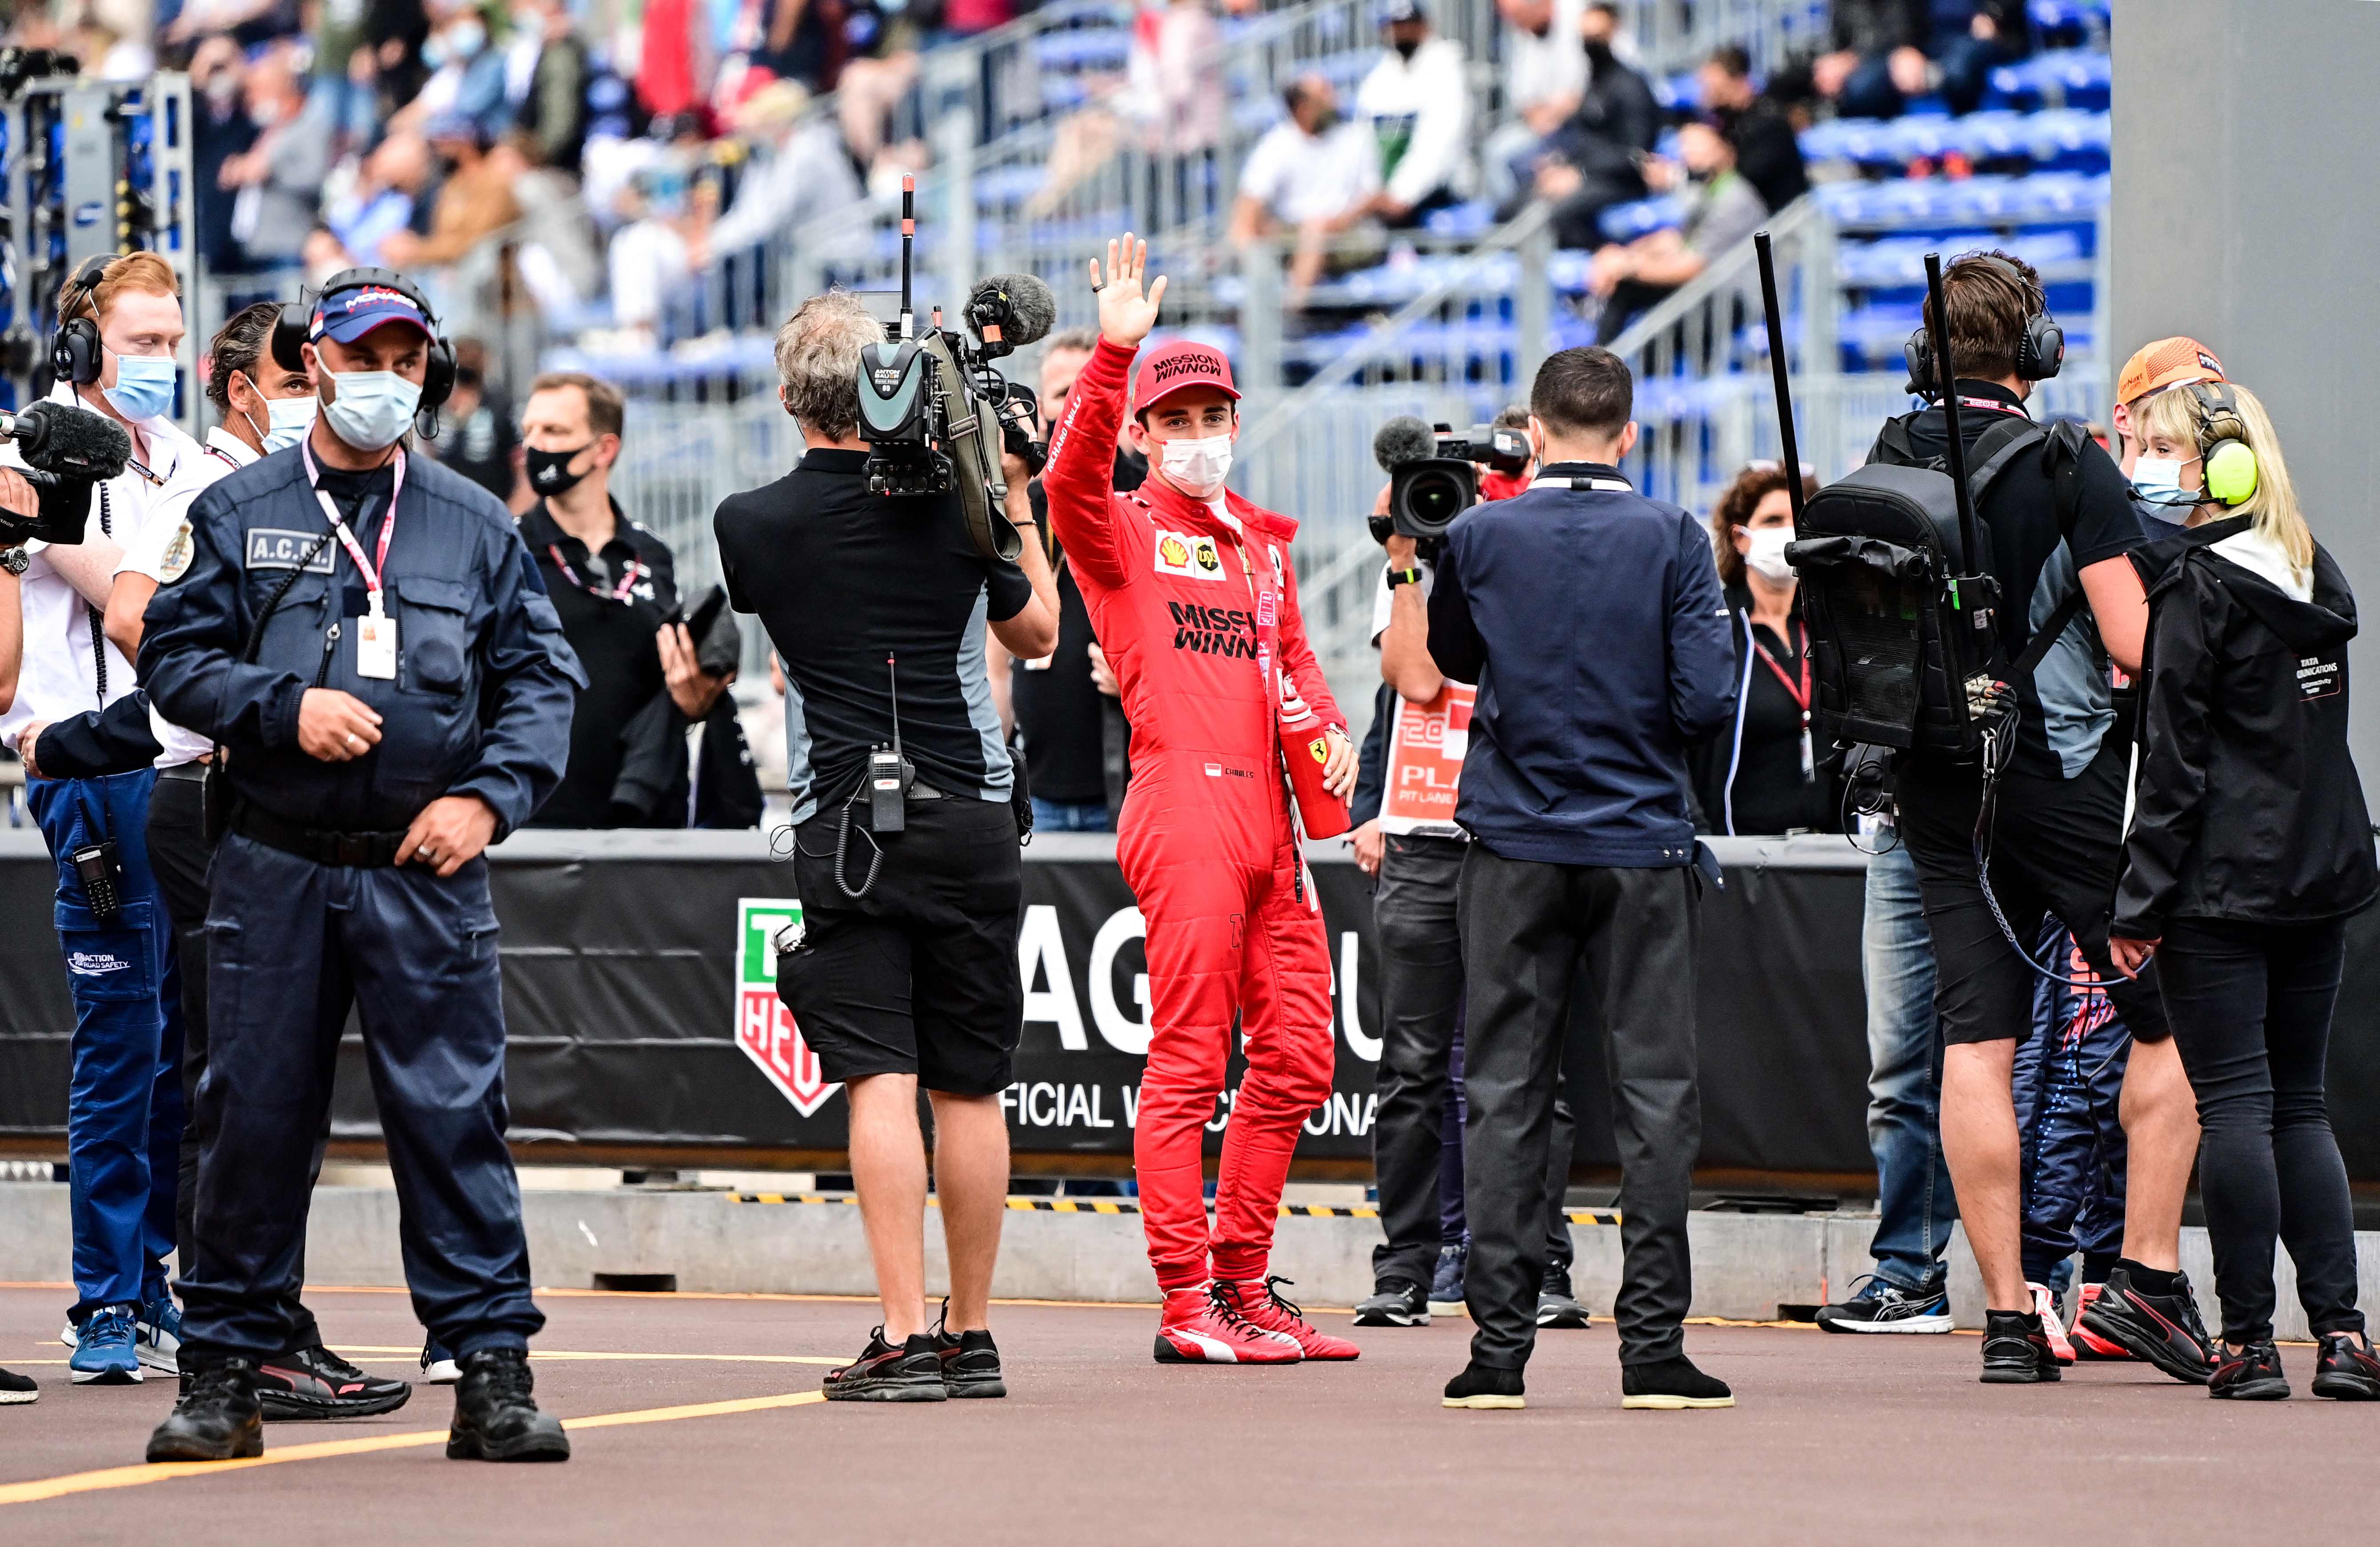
(366, 850)
(920, 790)
(194, 772)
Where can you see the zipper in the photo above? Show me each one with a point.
(329, 645)
(1273, 720)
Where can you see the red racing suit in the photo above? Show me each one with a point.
(1194, 617)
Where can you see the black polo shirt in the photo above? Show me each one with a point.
(1057, 708)
(841, 578)
(612, 604)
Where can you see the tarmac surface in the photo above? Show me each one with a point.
(694, 1420)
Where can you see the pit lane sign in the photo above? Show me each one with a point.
(764, 1028)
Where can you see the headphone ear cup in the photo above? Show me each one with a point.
(77, 356)
(2044, 348)
(1918, 355)
(2230, 471)
(438, 376)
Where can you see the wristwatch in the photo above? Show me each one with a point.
(1404, 577)
(15, 561)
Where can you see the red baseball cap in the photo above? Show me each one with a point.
(1169, 368)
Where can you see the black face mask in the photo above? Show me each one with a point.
(1598, 54)
(549, 472)
(1405, 48)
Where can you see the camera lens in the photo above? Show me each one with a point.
(1434, 499)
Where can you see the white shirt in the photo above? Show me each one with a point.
(1420, 112)
(1299, 176)
(1545, 69)
(166, 532)
(57, 679)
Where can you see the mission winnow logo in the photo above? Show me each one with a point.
(1214, 630)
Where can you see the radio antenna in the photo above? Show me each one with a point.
(1792, 456)
(1948, 382)
(892, 674)
(908, 237)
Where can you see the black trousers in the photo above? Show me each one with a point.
(180, 853)
(1421, 1016)
(2250, 1007)
(2055, 846)
(1527, 929)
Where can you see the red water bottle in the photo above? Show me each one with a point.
(1307, 748)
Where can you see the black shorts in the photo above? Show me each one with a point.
(2055, 846)
(920, 975)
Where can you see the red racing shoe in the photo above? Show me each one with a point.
(1203, 1326)
(2045, 1305)
(2089, 1345)
(1260, 1303)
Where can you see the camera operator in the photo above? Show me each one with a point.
(2062, 525)
(120, 321)
(1593, 679)
(905, 975)
(1417, 1137)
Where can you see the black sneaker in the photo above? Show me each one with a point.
(216, 1419)
(912, 1372)
(2348, 1371)
(970, 1364)
(1394, 1304)
(316, 1384)
(1878, 1305)
(1671, 1387)
(2016, 1350)
(17, 1389)
(2254, 1374)
(1557, 1307)
(1483, 1387)
(495, 1418)
(2162, 1329)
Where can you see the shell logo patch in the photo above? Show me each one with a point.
(1321, 749)
(1192, 558)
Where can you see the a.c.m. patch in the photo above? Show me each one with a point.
(271, 548)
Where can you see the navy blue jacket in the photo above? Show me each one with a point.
(481, 702)
(1592, 623)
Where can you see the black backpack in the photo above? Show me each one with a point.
(1900, 655)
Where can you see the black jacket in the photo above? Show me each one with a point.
(97, 742)
(2248, 805)
(1748, 777)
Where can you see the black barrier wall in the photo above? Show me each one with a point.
(638, 973)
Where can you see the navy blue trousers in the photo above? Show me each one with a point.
(291, 947)
(124, 1105)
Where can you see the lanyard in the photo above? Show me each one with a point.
(633, 572)
(371, 571)
(1992, 404)
(219, 454)
(1801, 694)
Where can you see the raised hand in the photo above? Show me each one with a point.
(1126, 313)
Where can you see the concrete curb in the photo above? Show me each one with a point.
(1745, 1265)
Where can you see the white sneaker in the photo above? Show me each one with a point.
(2045, 1305)
(438, 1368)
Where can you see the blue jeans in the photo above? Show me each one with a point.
(123, 1100)
(1068, 816)
(1914, 1205)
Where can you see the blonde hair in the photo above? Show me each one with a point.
(2179, 414)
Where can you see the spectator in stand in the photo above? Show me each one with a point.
(383, 207)
(479, 441)
(800, 178)
(475, 197)
(466, 72)
(545, 83)
(1726, 209)
(1877, 58)
(1769, 770)
(1597, 159)
(653, 254)
(965, 19)
(277, 183)
(249, 22)
(1313, 174)
(1545, 79)
(1416, 101)
(390, 66)
(1767, 150)
(220, 131)
(1175, 90)
(1972, 38)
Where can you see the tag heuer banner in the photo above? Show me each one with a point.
(639, 972)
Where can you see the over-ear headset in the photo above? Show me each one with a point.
(297, 320)
(75, 354)
(2039, 354)
(2229, 467)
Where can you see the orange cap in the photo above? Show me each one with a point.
(2167, 362)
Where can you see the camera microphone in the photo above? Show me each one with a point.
(1402, 440)
(73, 442)
(1013, 309)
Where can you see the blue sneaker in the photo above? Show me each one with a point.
(104, 1351)
(1446, 1285)
(1878, 1305)
(157, 1334)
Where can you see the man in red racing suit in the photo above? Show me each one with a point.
(1193, 598)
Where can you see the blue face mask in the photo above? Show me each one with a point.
(2157, 480)
(372, 409)
(286, 421)
(144, 387)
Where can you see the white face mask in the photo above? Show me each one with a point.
(286, 420)
(1766, 555)
(1198, 466)
(372, 409)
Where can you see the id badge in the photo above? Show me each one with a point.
(376, 646)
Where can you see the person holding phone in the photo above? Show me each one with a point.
(651, 670)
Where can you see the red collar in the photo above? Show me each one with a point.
(1181, 509)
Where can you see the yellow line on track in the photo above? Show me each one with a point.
(133, 1476)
